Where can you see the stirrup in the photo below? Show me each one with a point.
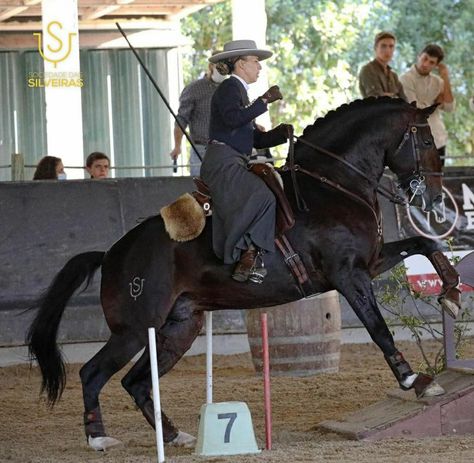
(257, 274)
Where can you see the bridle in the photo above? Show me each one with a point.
(415, 179)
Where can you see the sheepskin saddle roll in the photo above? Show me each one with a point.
(184, 219)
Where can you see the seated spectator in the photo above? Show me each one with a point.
(98, 164)
(50, 168)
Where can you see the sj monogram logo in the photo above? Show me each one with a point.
(136, 287)
(55, 54)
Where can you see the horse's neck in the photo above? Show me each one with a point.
(362, 152)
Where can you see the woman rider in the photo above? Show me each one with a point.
(243, 207)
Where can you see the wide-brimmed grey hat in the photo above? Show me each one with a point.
(240, 48)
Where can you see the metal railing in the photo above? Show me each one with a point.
(18, 166)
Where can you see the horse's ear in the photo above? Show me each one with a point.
(430, 109)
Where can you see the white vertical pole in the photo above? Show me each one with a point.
(60, 48)
(15, 127)
(209, 357)
(253, 27)
(111, 123)
(156, 395)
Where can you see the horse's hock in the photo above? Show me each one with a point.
(304, 337)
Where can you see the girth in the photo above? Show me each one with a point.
(285, 220)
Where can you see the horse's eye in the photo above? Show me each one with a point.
(427, 143)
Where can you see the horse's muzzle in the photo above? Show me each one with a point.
(430, 206)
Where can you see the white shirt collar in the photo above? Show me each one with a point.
(245, 84)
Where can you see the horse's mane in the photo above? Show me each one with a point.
(356, 105)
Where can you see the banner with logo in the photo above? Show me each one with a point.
(452, 220)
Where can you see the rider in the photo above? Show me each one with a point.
(243, 207)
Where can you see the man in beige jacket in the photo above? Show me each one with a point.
(420, 84)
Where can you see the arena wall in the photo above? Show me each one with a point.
(43, 224)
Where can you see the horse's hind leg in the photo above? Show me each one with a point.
(393, 253)
(116, 353)
(356, 287)
(174, 338)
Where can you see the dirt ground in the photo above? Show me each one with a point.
(31, 433)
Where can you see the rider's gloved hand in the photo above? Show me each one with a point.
(272, 94)
(285, 129)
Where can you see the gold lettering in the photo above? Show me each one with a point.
(51, 33)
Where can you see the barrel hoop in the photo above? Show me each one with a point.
(285, 340)
(302, 359)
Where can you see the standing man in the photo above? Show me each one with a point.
(195, 111)
(377, 78)
(426, 88)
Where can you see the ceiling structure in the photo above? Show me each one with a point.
(25, 15)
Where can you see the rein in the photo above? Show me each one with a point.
(416, 179)
(393, 197)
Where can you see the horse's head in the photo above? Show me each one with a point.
(416, 162)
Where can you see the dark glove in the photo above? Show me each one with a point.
(272, 94)
(285, 129)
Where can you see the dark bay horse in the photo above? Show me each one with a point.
(150, 280)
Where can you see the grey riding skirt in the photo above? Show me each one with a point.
(243, 208)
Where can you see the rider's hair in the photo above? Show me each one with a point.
(435, 51)
(226, 66)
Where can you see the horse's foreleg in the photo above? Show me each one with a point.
(358, 292)
(450, 297)
(394, 253)
(116, 353)
(174, 338)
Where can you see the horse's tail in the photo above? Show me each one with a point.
(41, 336)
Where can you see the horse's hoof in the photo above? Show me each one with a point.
(426, 386)
(183, 439)
(451, 302)
(433, 390)
(103, 443)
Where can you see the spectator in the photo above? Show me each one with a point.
(426, 88)
(195, 111)
(98, 164)
(50, 168)
(377, 78)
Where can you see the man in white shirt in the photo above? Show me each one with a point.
(426, 88)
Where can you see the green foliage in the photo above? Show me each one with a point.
(320, 47)
(398, 298)
(208, 30)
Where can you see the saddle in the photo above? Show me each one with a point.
(285, 220)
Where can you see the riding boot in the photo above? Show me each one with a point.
(249, 268)
(400, 367)
(244, 266)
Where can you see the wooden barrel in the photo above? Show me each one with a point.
(304, 337)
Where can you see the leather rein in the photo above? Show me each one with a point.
(416, 179)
